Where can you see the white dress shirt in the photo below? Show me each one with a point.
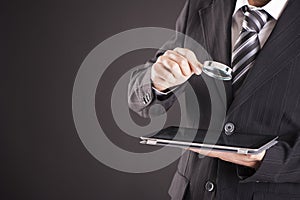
(274, 8)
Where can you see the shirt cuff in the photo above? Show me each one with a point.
(165, 92)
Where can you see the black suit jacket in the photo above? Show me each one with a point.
(269, 103)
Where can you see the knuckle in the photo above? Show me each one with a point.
(178, 49)
(191, 53)
(155, 67)
(174, 66)
(187, 50)
(252, 157)
(182, 62)
(248, 158)
(161, 59)
(158, 59)
(168, 52)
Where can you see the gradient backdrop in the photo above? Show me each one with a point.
(43, 44)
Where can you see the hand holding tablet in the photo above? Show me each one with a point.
(187, 138)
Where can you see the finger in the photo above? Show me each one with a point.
(247, 164)
(258, 157)
(181, 61)
(195, 65)
(160, 84)
(206, 152)
(171, 65)
(248, 157)
(161, 71)
(240, 160)
(232, 157)
(229, 157)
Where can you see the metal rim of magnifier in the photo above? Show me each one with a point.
(212, 65)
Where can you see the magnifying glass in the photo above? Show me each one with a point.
(211, 68)
(217, 70)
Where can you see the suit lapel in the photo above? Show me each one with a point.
(274, 54)
(215, 22)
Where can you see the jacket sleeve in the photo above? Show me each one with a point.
(281, 163)
(141, 96)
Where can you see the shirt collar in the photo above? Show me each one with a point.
(274, 7)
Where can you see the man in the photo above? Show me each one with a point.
(259, 39)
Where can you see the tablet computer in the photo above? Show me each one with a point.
(241, 143)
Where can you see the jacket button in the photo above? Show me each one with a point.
(209, 186)
(229, 128)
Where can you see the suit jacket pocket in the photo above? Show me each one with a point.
(178, 186)
(275, 196)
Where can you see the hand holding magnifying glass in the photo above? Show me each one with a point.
(211, 68)
(177, 66)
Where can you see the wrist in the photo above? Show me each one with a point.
(159, 87)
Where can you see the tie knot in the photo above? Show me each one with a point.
(254, 19)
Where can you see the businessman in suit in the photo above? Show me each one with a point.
(259, 39)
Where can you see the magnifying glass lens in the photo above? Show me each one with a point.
(217, 70)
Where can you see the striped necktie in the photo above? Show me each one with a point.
(247, 45)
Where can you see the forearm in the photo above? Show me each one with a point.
(142, 98)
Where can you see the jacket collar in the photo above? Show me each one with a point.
(216, 21)
(274, 56)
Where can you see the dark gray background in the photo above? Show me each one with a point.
(42, 46)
